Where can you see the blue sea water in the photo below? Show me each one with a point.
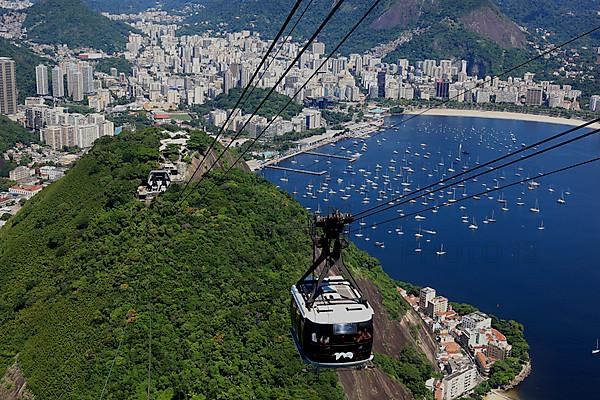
(546, 279)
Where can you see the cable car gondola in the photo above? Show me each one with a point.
(332, 323)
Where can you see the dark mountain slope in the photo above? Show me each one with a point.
(73, 23)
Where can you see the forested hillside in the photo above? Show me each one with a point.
(88, 275)
(11, 133)
(73, 23)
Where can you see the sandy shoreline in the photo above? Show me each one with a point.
(448, 112)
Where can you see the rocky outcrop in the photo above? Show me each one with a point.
(399, 15)
(490, 23)
(13, 385)
(211, 157)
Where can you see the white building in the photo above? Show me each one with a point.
(19, 174)
(426, 294)
(58, 82)
(25, 191)
(51, 172)
(595, 103)
(476, 321)
(461, 379)
(41, 80)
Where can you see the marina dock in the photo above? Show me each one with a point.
(300, 171)
(348, 158)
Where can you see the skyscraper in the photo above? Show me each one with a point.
(41, 79)
(227, 81)
(442, 89)
(58, 82)
(381, 75)
(8, 86)
(87, 75)
(77, 86)
(595, 103)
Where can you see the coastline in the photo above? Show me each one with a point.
(450, 112)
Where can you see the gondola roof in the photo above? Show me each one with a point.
(337, 303)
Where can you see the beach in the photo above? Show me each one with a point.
(448, 112)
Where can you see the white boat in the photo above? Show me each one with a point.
(541, 227)
(418, 249)
(492, 219)
(505, 206)
(381, 245)
(561, 199)
(419, 234)
(473, 225)
(597, 349)
(536, 208)
(441, 251)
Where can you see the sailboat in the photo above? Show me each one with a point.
(473, 225)
(597, 349)
(561, 199)
(441, 251)
(541, 227)
(492, 219)
(418, 249)
(536, 208)
(505, 206)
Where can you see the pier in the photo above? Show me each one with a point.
(300, 171)
(348, 158)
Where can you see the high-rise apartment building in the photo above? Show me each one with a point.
(425, 296)
(77, 86)
(41, 80)
(595, 103)
(58, 82)
(87, 76)
(8, 86)
(533, 97)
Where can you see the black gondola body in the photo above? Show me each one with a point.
(332, 324)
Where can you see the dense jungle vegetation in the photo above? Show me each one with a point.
(88, 275)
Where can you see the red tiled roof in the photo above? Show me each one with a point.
(499, 336)
(28, 188)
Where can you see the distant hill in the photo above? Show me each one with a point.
(563, 18)
(26, 61)
(481, 31)
(73, 23)
(475, 30)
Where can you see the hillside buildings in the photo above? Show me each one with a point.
(468, 345)
(8, 86)
(59, 129)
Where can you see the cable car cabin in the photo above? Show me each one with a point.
(158, 181)
(337, 330)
